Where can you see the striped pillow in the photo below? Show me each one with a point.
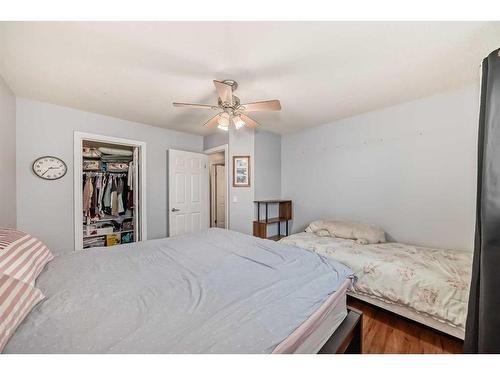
(22, 256)
(16, 301)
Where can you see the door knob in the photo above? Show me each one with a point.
(175, 209)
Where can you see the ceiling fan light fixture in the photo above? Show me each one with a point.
(223, 120)
(238, 122)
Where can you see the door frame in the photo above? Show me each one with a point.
(78, 138)
(213, 150)
(215, 192)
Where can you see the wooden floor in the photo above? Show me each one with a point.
(385, 332)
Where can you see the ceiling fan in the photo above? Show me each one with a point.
(231, 110)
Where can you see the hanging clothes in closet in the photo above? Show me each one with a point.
(106, 193)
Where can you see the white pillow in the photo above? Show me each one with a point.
(323, 233)
(362, 233)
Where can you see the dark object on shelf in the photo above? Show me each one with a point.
(127, 237)
(284, 215)
(128, 224)
(348, 337)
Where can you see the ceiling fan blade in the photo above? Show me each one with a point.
(249, 123)
(225, 92)
(193, 105)
(212, 122)
(265, 105)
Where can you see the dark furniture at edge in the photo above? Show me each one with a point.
(284, 215)
(348, 338)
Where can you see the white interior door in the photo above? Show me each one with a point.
(188, 198)
(221, 196)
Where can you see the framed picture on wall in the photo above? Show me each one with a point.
(241, 171)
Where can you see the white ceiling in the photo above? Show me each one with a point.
(321, 71)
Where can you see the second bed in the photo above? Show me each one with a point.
(430, 286)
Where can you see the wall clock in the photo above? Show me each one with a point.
(49, 168)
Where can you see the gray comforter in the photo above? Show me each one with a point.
(214, 292)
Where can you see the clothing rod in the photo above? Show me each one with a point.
(95, 174)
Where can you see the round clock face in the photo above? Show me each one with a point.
(49, 167)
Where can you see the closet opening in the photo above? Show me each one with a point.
(218, 187)
(109, 191)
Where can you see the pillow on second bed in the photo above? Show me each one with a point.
(362, 233)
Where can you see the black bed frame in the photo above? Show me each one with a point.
(348, 337)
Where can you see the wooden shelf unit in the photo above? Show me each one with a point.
(284, 215)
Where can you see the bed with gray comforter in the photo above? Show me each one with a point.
(214, 292)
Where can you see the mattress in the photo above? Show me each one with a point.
(213, 292)
(311, 335)
(431, 283)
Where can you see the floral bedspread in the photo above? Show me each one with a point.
(434, 282)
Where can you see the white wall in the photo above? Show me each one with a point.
(7, 156)
(267, 173)
(45, 208)
(267, 165)
(264, 149)
(219, 138)
(410, 168)
(241, 206)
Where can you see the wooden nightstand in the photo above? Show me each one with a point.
(348, 338)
